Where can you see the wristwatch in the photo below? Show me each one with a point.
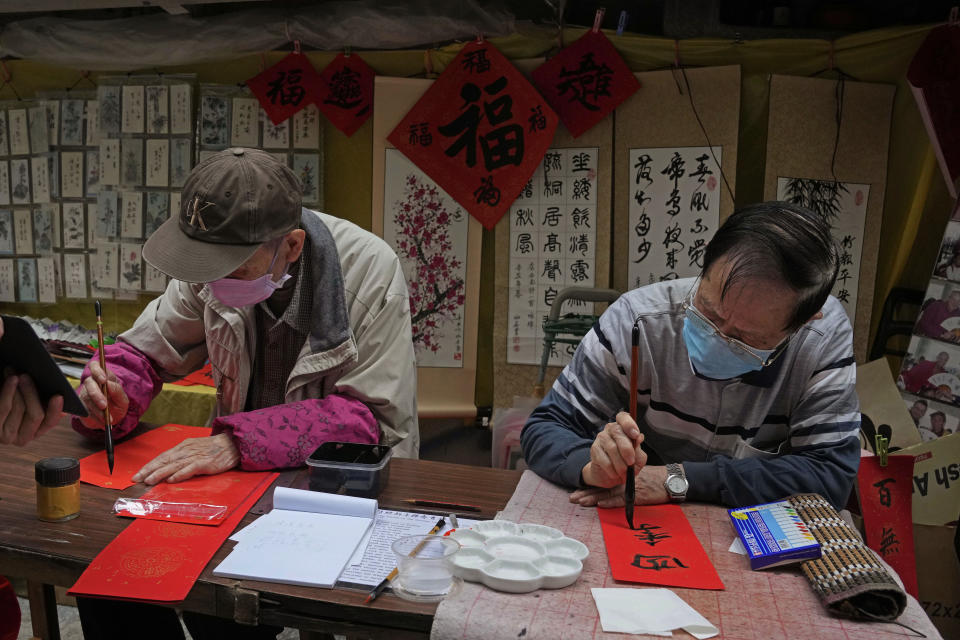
(676, 483)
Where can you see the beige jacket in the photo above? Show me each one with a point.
(359, 345)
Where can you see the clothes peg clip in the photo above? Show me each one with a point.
(346, 51)
(622, 22)
(479, 37)
(954, 19)
(296, 47)
(598, 19)
(881, 448)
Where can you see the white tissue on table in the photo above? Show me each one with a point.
(649, 611)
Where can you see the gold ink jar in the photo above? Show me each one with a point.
(58, 489)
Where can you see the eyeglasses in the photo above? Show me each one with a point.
(705, 324)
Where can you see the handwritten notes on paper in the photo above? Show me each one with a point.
(662, 549)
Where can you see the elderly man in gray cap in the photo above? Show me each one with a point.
(305, 319)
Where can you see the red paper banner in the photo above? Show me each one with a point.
(585, 82)
(662, 549)
(346, 97)
(130, 455)
(154, 561)
(886, 500)
(479, 131)
(205, 500)
(202, 377)
(286, 87)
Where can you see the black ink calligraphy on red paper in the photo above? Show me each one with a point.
(489, 130)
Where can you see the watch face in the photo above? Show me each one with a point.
(677, 485)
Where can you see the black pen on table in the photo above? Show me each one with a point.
(377, 590)
(440, 504)
(630, 489)
(107, 422)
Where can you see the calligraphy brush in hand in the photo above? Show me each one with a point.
(630, 489)
(107, 423)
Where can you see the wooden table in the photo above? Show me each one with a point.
(55, 554)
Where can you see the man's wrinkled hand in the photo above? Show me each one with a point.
(194, 456)
(91, 394)
(650, 490)
(613, 450)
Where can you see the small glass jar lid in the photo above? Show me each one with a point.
(57, 472)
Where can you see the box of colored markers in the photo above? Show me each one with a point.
(774, 534)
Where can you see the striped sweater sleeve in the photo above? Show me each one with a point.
(587, 395)
(823, 450)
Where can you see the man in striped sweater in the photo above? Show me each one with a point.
(746, 379)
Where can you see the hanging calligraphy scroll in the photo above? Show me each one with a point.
(885, 501)
(673, 196)
(674, 211)
(585, 82)
(562, 217)
(844, 204)
(346, 96)
(428, 230)
(482, 129)
(841, 173)
(438, 244)
(286, 87)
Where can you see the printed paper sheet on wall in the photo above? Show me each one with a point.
(675, 157)
(807, 157)
(553, 237)
(674, 211)
(440, 251)
(844, 204)
(428, 230)
(230, 116)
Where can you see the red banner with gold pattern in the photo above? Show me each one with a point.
(153, 561)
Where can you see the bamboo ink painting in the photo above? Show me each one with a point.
(844, 206)
(428, 231)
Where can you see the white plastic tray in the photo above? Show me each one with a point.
(517, 558)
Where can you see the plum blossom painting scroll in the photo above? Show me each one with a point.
(428, 230)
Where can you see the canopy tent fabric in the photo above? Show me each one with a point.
(161, 40)
(917, 204)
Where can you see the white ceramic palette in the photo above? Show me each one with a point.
(517, 558)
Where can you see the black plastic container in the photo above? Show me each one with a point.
(350, 468)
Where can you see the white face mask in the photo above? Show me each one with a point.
(234, 292)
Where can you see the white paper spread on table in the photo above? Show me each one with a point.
(649, 611)
(306, 539)
(378, 560)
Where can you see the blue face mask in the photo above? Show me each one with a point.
(713, 357)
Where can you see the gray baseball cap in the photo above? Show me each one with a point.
(231, 204)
